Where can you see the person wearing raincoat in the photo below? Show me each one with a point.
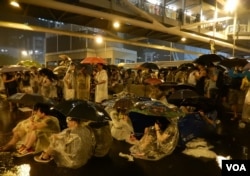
(245, 86)
(71, 148)
(101, 82)
(157, 142)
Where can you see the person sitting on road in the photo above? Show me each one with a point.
(23, 128)
(38, 132)
(157, 142)
(71, 148)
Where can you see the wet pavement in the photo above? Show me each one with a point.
(230, 141)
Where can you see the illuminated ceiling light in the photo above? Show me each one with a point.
(14, 3)
(116, 24)
(99, 39)
(183, 39)
(231, 5)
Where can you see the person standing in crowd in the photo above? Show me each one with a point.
(101, 82)
(235, 94)
(200, 79)
(10, 84)
(70, 82)
(83, 84)
(25, 83)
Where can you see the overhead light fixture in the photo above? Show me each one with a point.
(183, 39)
(14, 3)
(99, 39)
(116, 24)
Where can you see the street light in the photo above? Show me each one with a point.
(231, 6)
(14, 3)
(99, 40)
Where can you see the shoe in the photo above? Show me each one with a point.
(24, 152)
(40, 159)
(21, 148)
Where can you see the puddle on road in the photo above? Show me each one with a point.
(7, 167)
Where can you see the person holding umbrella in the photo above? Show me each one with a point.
(101, 82)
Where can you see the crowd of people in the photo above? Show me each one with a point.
(41, 132)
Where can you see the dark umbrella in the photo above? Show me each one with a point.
(230, 63)
(185, 86)
(246, 67)
(208, 59)
(147, 113)
(13, 68)
(28, 99)
(82, 109)
(180, 95)
(124, 104)
(149, 65)
(186, 66)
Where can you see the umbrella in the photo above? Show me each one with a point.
(185, 86)
(208, 59)
(13, 68)
(83, 109)
(93, 60)
(29, 63)
(186, 66)
(28, 99)
(149, 65)
(153, 81)
(230, 63)
(124, 104)
(179, 96)
(147, 113)
(246, 67)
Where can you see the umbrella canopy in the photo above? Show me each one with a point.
(230, 63)
(82, 109)
(124, 104)
(93, 60)
(13, 68)
(208, 59)
(29, 63)
(28, 99)
(185, 86)
(153, 81)
(180, 95)
(149, 65)
(147, 113)
(246, 67)
(155, 108)
(186, 66)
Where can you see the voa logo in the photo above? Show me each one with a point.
(236, 167)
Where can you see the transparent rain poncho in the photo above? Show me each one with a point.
(150, 147)
(72, 148)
